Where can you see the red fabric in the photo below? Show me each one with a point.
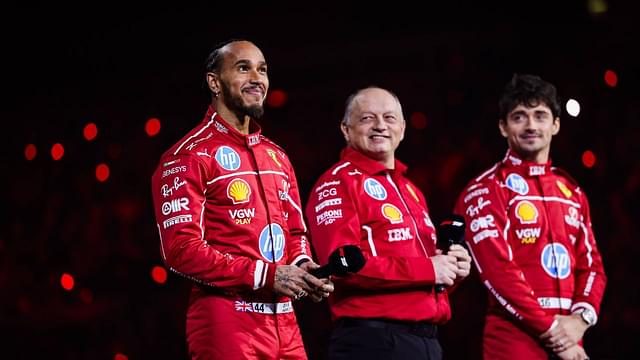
(518, 215)
(396, 282)
(215, 192)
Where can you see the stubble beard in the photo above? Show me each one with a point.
(235, 104)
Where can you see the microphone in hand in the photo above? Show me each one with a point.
(344, 260)
(450, 231)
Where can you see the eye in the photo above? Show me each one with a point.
(243, 68)
(262, 69)
(366, 119)
(390, 118)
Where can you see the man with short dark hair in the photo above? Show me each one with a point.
(530, 236)
(229, 216)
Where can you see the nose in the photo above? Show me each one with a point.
(379, 124)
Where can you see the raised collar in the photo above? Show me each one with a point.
(222, 126)
(370, 165)
(513, 161)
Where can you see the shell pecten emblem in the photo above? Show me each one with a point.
(526, 212)
(239, 191)
(391, 213)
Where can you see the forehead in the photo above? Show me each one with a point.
(376, 101)
(242, 51)
(541, 106)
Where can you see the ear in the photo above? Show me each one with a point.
(502, 125)
(404, 126)
(556, 126)
(213, 82)
(345, 131)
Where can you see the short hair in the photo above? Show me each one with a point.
(528, 90)
(351, 99)
(214, 60)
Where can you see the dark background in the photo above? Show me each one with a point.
(117, 66)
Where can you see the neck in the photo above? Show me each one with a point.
(389, 163)
(240, 123)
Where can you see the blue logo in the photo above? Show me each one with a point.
(374, 189)
(228, 158)
(272, 242)
(556, 261)
(517, 183)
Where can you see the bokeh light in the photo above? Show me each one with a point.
(67, 282)
(90, 131)
(152, 127)
(611, 78)
(276, 98)
(573, 107)
(30, 152)
(159, 274)
(102, 172)
(57, 151)
(588, 159)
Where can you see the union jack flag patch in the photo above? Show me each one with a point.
(244, 306)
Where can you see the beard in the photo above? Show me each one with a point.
(235, 104)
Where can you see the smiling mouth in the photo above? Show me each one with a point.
(374, 137)
(254, 90)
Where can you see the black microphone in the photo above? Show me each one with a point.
(345, 259)
(449, 232)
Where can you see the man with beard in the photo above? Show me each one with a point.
(530, 236)
(228, 211)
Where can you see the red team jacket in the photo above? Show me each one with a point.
(228, 209)
(359, 202)
(529, 232)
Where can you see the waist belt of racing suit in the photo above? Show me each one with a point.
(417, 328)
(263, 308)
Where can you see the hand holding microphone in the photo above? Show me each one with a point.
(344, 260)
(450, 232)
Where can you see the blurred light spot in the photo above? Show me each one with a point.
(57, 151)
(67, 281)
(30, 152)
(588, 159)
(418, 120)
(573, 107)
(90, 131)
(159, 274)
(86, 296)
(152, 127)
(102, 172)
(120, 357)
(597, 7)
(276, 98)
(611, 78)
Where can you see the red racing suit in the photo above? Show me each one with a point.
(228, 211)
(529, 232)
(360, 202)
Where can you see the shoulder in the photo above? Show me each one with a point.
(566, 183)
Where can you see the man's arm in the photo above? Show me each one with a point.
(179, 208)
(485, 211)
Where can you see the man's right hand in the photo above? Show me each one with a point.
(296, 283)
(445, 267)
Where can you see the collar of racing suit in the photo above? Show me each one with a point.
(370, 165)
(250, 140)
(525, 168)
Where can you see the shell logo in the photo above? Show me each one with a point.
(565, 190)
(238, 191)
(526, 212)
(272, 155)
(391, 213)
(413, 193)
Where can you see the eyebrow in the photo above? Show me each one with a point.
(246, 61)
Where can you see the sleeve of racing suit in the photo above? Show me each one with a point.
(179, 209)
(486, 232)
(334, 222)
(590, 278)
(297, 244)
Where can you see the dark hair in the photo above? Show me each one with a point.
(214, 60)
(528, 90)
